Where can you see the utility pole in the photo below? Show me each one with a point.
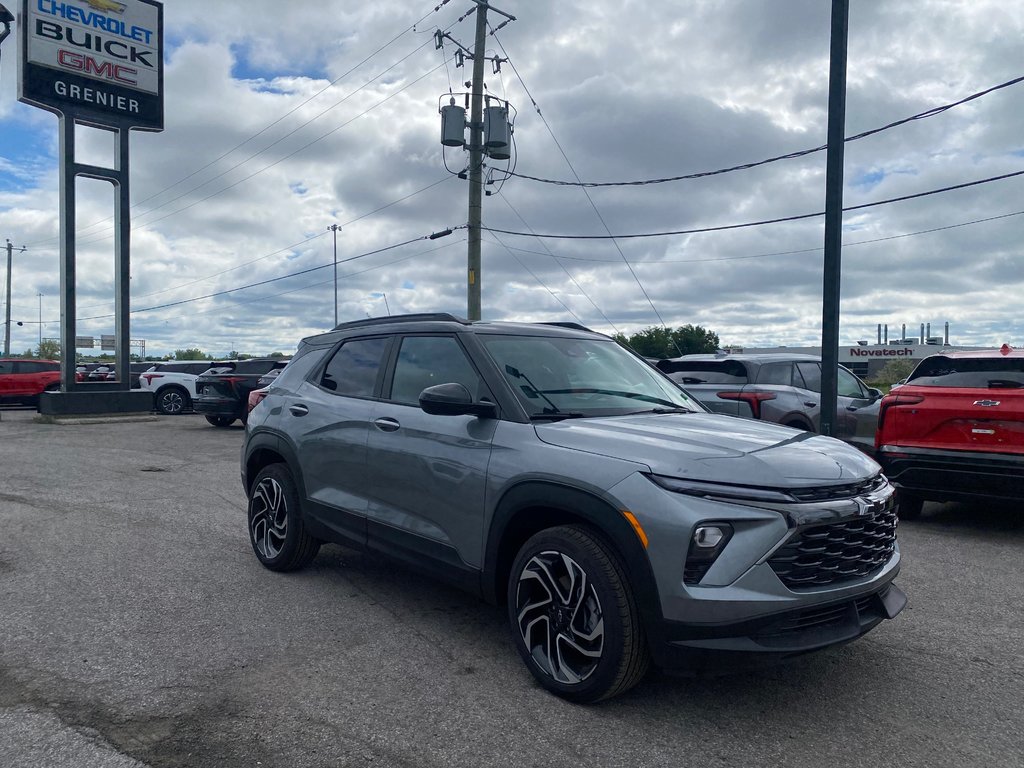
(7, 313)
(334, 228)
(833, 216)
(476, 162)
(40, 324)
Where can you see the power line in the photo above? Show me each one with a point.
(565, 157)
(276, 162)
(280, 250)
(277, 121)
(762, 222)
(268, 281)
(788, 156)
(505, 200)
(775, 253)
(328, 282)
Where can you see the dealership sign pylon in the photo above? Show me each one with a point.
(97, 63)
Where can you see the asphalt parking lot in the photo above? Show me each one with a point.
(137, 628)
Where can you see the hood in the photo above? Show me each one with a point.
(715, 448)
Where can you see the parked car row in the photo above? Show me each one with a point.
(781, 388)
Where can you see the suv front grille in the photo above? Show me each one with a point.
(820, 555)
(833, 492)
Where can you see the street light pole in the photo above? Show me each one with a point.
(40, 324)
(7, 313)
(334, 228)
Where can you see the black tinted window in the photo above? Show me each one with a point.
(776, 373)
(705, 371)
(256, 366)
(6, 366)
(811, 374)
(973, 372)
(355, 367)
(428, 360)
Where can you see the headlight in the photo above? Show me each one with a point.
(721, 490)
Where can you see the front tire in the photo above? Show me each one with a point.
(277, 531)
(573, 616)
(172, 401)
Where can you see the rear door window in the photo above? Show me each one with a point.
(777, 374)
(355, 368)
(811, 375)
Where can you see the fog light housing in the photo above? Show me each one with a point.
(706, 544)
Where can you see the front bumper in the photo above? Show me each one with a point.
(730, 647)
(954, 475)
(794, 577)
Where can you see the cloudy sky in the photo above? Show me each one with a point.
(285, 118)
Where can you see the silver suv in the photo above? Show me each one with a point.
(781, 387)
(548, 468)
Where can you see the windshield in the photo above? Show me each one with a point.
(970, 372)
(581, 377)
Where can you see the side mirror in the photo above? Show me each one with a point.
(876, 394)
(454, 399)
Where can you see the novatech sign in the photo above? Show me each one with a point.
(881, 352)
(98, 61)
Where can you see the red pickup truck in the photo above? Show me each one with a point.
(955, 430)
(22, 381)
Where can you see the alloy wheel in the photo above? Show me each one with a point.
(559, 617)
(172, 402)
(268, 519)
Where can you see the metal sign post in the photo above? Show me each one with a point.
(97, 63)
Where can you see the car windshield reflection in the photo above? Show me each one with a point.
(555, 376)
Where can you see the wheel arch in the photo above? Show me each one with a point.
(797, 420)
(264, 449)
(533, 506)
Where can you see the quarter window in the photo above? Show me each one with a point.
(354, 369)
(779, 374)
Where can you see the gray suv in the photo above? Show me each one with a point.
(780, 387)
(545, 467)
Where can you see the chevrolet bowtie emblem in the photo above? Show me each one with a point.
(987, 403)
(107, 5)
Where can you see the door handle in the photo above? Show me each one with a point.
(809, 404)
(386, 424)
(298, 410)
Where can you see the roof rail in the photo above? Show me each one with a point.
(568, 324)
(413, 318)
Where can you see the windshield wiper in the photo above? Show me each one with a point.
(530, 390)
(557, 416)
(663, 410)
(613, 392)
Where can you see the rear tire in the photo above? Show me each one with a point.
(220, 421)
(277, 531)
(909, 507)
(171, 401)
(573, 616)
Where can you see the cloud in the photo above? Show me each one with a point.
(282, 120)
